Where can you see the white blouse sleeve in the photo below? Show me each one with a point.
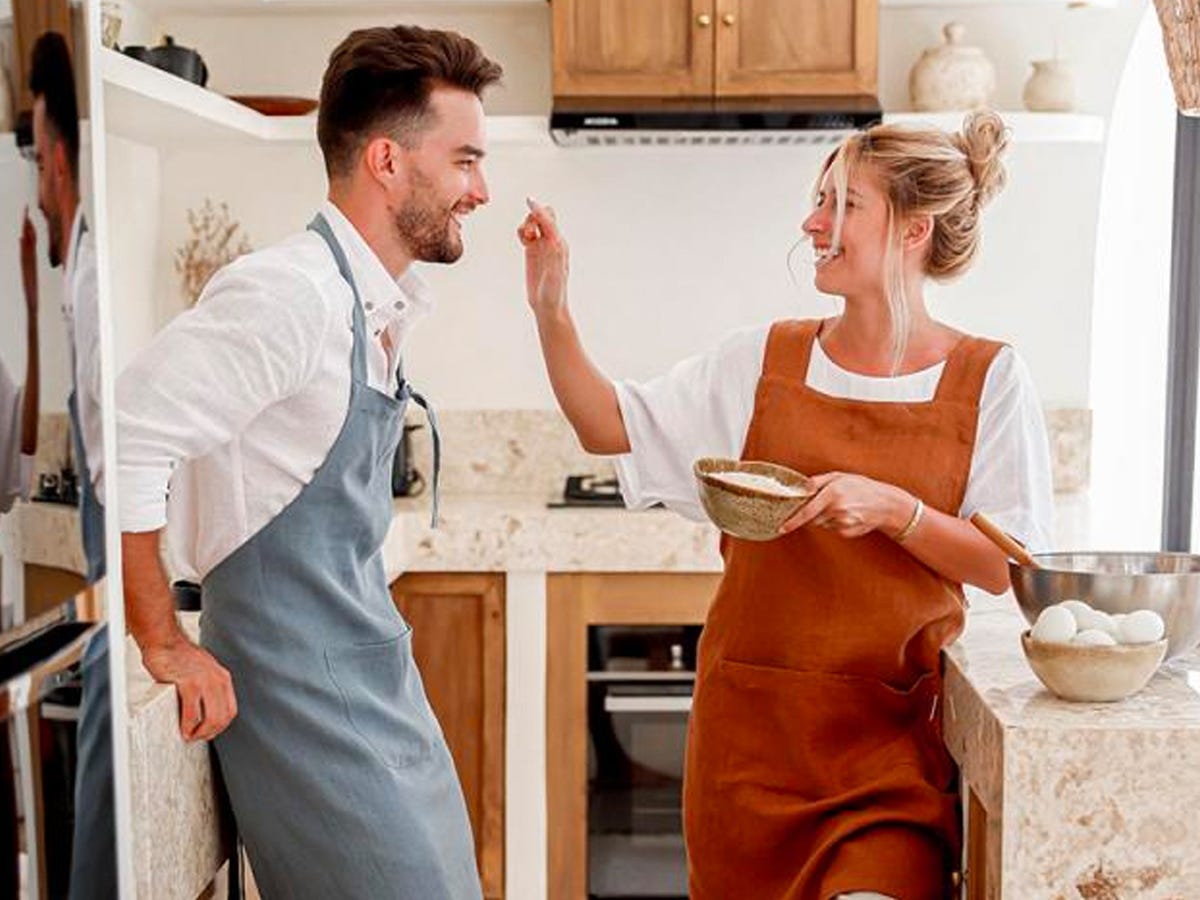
(702, 407)
(1010, 479)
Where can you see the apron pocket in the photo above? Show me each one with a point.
(383, 697)
(819, 734)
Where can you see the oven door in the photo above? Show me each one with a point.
(638, 732)
(40, 689)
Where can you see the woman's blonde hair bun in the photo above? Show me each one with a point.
(983, 140)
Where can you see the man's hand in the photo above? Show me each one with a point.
(206, 699)
(29, 278)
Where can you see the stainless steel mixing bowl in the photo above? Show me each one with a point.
(1168, 583)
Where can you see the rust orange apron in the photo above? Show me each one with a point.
(815, 765)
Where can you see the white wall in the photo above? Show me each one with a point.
(133, 230)
(246, 54)
(671, 247)
(670, 250)
(1133, 245)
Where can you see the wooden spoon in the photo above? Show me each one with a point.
(993, 533)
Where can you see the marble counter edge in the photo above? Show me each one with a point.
(518, 532)
(172, 786)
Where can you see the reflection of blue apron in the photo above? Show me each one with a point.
(94, 850)
(91, 511)
(338, 773)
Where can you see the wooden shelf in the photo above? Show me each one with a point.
(1027, 127)
(154, 107)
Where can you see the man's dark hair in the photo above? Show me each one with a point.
(379, 80)
(52, 78)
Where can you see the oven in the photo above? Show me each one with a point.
(42, 667)
(640, 681)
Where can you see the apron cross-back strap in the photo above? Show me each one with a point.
(359, 364)
(404, 392)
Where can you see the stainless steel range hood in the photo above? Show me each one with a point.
(642, 121)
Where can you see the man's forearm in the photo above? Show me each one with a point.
(149, 607)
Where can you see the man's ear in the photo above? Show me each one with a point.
(384, 159)
(918, 230)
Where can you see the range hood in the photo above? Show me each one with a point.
(645, 121)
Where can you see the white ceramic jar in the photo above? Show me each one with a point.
(952, 76)
(1051, 87)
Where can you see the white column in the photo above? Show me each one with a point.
(525, 834)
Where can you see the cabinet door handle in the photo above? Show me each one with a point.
(704, 20)
(729, 19)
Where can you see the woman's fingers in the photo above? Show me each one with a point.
(809, 512)
(544, 218)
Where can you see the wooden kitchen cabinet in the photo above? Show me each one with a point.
(722, 48)
(458, 642)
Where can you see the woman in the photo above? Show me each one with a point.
(814, 768)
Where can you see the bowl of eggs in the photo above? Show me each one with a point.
(1084, 654)
(747, 499)
(1116, 584)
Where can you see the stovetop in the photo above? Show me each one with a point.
(589, 490)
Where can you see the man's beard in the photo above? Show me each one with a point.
(425, 227)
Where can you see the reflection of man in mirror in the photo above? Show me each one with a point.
(19, 403)
(56, 143)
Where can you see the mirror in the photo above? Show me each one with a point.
(57, 836)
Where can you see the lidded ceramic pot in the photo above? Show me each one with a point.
(952, 76)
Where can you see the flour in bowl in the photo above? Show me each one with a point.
(764, 483)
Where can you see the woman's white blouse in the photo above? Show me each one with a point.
(703, 407)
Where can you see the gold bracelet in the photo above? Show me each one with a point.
(907, 530)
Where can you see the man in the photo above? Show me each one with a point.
(56, 147)
(277, 402)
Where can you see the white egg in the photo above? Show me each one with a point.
(1090, 619)
(1093, 637)
(1055, 625)
(1142, 627)
(1074, 606)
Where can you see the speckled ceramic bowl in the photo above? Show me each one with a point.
(1093, 674)
(743, 511)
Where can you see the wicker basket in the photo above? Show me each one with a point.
(1180, 20)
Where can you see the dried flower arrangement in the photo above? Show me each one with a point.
(215, 240)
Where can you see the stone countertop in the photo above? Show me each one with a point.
(177, 837)
(1082, 799)
(48, 535)
(518, 533)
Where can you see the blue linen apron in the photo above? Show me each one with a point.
(337, 770)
